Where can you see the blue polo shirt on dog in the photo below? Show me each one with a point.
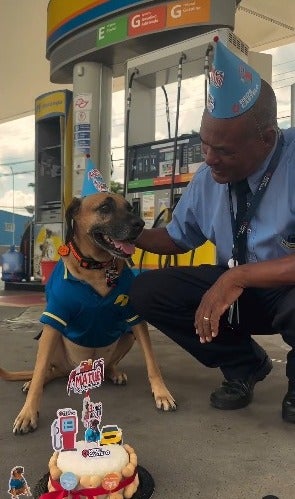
(83, 316)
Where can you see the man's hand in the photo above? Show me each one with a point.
(215, 302)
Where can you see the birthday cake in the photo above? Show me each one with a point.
(108, 471)
(100, 466)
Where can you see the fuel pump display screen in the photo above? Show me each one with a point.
(68, 425)
(151, 165)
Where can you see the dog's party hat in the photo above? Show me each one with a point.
(93, 180)
(234, 86)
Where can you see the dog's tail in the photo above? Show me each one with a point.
(15, 375)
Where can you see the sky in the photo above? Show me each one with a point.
(17, 138)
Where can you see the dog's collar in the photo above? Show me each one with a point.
(85, 262)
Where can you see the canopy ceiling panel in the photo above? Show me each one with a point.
(261, 24)
(265, 24)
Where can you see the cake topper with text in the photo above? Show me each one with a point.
(88, 375)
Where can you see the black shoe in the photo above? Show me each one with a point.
(238, 393)
(288, 406)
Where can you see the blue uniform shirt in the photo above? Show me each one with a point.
(203, 212)
(76, 310)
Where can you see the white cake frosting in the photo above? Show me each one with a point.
(114, 459)
(118, 463)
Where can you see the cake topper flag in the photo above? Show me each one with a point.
(234, 86)
(93, 181)
(88, 375)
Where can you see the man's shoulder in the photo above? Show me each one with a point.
(289, 136)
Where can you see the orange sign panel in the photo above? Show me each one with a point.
(147, 20)
(188, 12)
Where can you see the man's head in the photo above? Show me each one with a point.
(239, 125)
(234, 148)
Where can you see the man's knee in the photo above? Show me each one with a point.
(140, 291)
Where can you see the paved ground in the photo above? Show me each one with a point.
(196, 452)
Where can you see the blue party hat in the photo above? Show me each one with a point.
(93, 180)
(234, 85)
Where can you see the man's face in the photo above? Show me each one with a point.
(230, 148)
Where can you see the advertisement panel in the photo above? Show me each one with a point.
(66, 17)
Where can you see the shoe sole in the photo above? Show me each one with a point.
(261, 374)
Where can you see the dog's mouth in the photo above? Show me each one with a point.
(121, 249)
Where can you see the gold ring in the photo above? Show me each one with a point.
(206, 318)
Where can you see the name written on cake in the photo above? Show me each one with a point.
(86, 376)
(95, 452)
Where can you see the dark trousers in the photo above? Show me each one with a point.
(168, 299)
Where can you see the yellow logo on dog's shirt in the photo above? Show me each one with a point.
(122, 300)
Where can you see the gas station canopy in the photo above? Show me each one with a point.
(260, 24)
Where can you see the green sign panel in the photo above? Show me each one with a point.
(136, 184)
(111, 32)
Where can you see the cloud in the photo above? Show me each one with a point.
(17, 140)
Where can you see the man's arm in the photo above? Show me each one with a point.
(158, 241)
(231, 284)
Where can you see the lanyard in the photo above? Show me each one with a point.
(241, 231)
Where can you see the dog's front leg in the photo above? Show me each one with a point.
(163, 398)
(27, 419)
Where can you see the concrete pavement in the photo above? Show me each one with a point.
(196, 452)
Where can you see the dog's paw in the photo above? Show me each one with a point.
(164, 401)
(116, 377)
(163, 398)
(25, 422)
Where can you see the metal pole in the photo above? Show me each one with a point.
(13, 226)
(293, 104)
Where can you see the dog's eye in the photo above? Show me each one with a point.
(104, 209)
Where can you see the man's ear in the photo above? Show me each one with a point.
(269, 136)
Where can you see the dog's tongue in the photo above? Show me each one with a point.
(128, 248)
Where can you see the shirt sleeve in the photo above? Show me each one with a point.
(58, 310)
(184, 228)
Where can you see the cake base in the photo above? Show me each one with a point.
(145, 489)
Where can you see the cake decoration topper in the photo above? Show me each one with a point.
(64, 430)
(68, 480)
(88, 375)
(17, 485)
(91, 410)
(111, 481)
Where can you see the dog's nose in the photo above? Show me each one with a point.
(138, 223)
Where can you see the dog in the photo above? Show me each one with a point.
(99, 240)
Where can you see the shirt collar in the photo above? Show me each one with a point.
(255, 179)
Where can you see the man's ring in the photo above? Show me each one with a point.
(206, 318)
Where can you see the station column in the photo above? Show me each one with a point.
(92, 111)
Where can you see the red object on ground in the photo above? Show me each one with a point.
(47, 267)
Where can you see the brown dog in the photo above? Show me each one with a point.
(100, 231)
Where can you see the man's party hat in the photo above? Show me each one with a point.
(234, 85)
(93, 180)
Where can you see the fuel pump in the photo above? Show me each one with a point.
(64, 430)
(157, 172)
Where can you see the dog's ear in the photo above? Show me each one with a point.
(71, 212)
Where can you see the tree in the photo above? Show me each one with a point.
(117, 187)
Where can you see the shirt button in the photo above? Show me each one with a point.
(249, 231)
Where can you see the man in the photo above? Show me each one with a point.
(212, 310)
